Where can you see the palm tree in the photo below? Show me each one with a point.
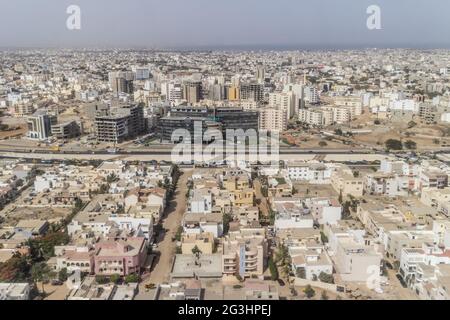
(40, 272)
(111, 178)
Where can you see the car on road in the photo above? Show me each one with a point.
(56, 282)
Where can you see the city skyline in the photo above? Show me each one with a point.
(201, 24)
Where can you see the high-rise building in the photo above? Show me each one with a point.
(312, 95)
(233, 93)
(120, 124)
(192, 91)
(216, 92)
(121, 82)
(299, 95)
(272, 119)
(141, 73)
(260, 74)
(173, 91)
(40, 125)
(252, 91)
(284, 102)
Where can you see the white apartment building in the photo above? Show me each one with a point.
(310, 262)
(292, 216)
(356, 262)
(314, 173)
(273, 119)
(283, 101)
(354, 104)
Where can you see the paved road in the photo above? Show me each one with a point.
(167, 157)
(171, 222)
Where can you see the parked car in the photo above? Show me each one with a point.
(56, 282)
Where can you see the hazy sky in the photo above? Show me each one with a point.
(199, 23)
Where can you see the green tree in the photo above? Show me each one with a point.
(100, 279)
(324, 295)
(43, 248)
(16, 269)
(411, 145)
(325, 277)
(63, 275)
(179, 234)
(323, 237)
(272, 216)
(411, 124)
(132, 278)
(309, 292)
(40, 272)
(323, 144)
(196, 251)
(112, 178)
(273, 270)
(227, 218)
(393, 144)
(115, 278)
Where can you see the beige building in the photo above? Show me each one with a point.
(273, 119)
(356, 262)
(344, 182)
(245, 252)
(203, 241)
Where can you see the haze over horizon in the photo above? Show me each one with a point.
(250, 24)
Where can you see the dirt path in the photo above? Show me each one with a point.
(171, 222)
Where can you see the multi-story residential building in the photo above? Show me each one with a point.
(75, 258)
(314, 117)
(324, 210)
(283, 101)
(292, 215)
(120, 256)
(273, 119)
(121, 82)
(356, 262)
(199, 223)
(251, 91)
(437, 198)
(433, 178)
(428, 254)
(390, 185)
(245, 253)
(314, 173)
(23, 109)
(353, 102)
(310, 262)
(192, 91)
(345, 183)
